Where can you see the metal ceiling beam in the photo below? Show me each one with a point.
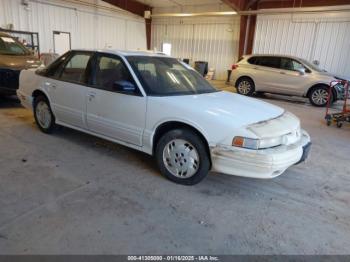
(264, 4)
(132, 6)
(236, 5)
(316, 9)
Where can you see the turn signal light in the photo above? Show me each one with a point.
(234, 66)
(245, 142)
(238, 141)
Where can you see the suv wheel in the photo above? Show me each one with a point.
(43, 115)
(182, 157)
(318, 96)
(245, 86)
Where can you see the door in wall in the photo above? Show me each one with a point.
(61, 42)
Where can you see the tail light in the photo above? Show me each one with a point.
(234, 66)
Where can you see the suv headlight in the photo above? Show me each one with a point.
(251, 143)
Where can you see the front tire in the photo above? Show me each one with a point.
(43, 115)
(182, 157)
(318, 96)
(245, 86)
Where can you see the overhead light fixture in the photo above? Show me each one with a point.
(227, 13)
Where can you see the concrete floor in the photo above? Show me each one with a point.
(72, 193)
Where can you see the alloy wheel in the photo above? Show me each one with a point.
(319, 96)
(244, 87)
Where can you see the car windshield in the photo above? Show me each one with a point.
(165, 76)
(9, 46)
(312, 66)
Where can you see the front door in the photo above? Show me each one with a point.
(291, 80)
(111, 111)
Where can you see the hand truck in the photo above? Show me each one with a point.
(344, 115)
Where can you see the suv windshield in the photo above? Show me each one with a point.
(165, 76)
(9, 46)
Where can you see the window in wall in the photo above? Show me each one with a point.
(166, 48)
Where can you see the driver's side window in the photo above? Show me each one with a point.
(291, 64)
(111, 74)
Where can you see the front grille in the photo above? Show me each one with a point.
(9, 78)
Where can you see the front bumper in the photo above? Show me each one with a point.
(9, 81)
(265, 163)
(26, 101)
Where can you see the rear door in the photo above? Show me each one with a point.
(67, 89)
(266, 71)
(117, 114)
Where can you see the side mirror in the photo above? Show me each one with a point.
(301, 71)
(124, 87)
(316, 62)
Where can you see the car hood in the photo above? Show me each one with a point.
(331, 76)
(19, 62)
(233, 109)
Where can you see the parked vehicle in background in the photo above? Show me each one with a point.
(158, 105)
(285, 75)
(14, 57)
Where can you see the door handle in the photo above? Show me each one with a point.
(283, 73)
(91, 95)
(256, 68)
(48, 85)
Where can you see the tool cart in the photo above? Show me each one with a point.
(338, 116)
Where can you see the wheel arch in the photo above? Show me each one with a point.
(334, 93)
(38, 92)
(170, 125)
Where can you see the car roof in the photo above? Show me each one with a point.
(126, 52)
(271, 55)
(4, 34)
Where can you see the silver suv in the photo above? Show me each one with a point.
(285, 75)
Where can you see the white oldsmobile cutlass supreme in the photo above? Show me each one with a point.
(154, 103)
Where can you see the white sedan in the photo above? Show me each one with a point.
(156, 104)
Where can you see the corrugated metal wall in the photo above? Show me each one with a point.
(206, 39)
(89, 27)
(323, 37)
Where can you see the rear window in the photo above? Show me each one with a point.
(268, 61)
(74, 70)
(252, 60)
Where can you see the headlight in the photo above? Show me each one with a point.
(256, 143)
(271, 142)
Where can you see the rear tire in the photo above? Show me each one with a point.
(43, 115)
(318, 96)
(182, 157)
(245, 86)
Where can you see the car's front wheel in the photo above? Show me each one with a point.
(43, 115)
(318, 96)
(182, 157)
(245, 86)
